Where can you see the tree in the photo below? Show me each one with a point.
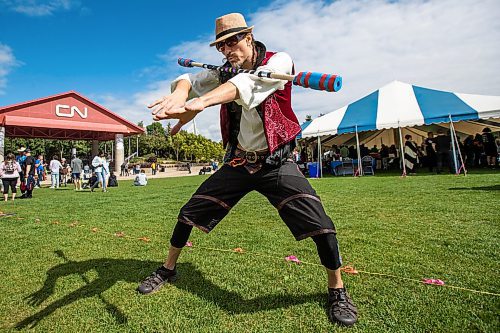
(155, 129)
(177, 142)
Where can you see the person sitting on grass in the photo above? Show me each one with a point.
(141, 179)
(112, 182)
(93, 181)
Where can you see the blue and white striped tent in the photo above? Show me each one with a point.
(401, 105)
(302, 128)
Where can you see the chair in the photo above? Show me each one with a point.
(367, 165)
(347, 167)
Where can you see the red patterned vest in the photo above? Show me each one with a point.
(280, 123)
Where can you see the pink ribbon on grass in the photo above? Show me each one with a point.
(437, 282)
(293, 259)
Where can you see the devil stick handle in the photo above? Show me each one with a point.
(316, 81)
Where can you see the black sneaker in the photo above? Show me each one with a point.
(156, 280)
(341, 308)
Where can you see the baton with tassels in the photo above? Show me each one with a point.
(313, 80)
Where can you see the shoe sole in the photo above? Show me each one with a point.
(158, 287)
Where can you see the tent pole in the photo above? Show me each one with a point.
(402, 152)
(453, 148)
(360, 165)
(319, 173)
(455, 142)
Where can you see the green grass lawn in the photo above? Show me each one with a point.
(63, 278)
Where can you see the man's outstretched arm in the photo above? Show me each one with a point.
(225, 93)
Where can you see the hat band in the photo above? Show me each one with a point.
(229, 31)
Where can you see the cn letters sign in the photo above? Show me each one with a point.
(69, 111)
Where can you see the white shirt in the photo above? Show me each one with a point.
(141, 179)
(54, 166)
(97, 163)
(253, 90)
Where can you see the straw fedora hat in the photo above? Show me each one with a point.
(229, 25)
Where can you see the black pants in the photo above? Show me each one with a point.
(9, 182)
(286, 189)
(443, 158)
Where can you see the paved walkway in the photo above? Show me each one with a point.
(170, 172)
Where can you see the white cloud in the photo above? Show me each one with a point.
(39, 7)
(445, 44)
(7, 63)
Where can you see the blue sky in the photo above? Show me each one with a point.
(122, 54)
(97, 47)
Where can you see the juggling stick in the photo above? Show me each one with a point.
(316, 81)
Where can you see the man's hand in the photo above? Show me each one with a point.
(175, 106)
(185, 113)
(166, 104)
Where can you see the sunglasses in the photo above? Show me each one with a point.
(230, 42)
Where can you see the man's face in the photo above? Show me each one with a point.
(236, 49)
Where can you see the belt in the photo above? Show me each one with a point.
(251, 157)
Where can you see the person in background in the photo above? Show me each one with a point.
(64, 172)
(122, 168)
(98, 163)
(303, 155)
(443, 143)
(141, 179)
(384, 155)
(39, 170)
(344, 151)
(363, 150)
(38, 163)
(478, 146)
(55, 166)
(153, 168)
(94, 180)
(9, 172)
(28, 168)
(20, 159)
(106, 169)
(469, 150)
(430, 153)
(137, 169)
(490, 147)
(127, 172)
(295, 155)
(411, 157)
(112, 182)
(76, 169)
(188, 166)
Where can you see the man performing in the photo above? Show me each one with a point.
(258, 130)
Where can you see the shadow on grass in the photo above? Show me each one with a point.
(478, 188)
(110, 271)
